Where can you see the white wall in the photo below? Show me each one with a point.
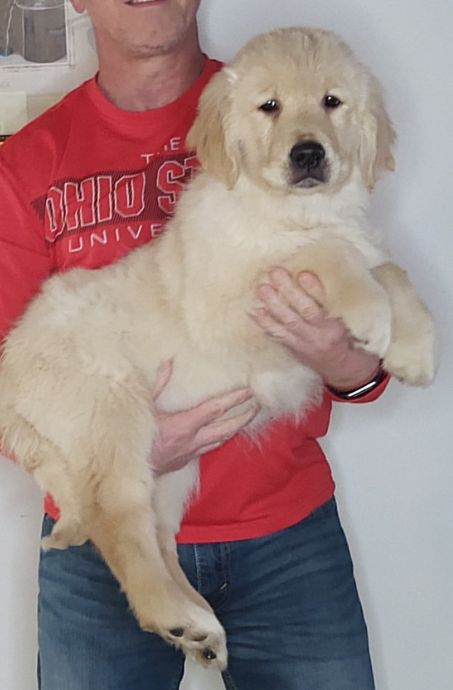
(392, 459)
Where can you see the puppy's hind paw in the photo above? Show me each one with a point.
(208, 649)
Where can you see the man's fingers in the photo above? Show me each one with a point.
(312, 285)
(278, 306)
(278, 330)
(208, 448)
(164, 373)
(186, 434)
(287, 302)
(296, 295)
(214, 408)
(268, 323)
(222, 430)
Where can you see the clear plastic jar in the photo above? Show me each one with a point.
(44, 30)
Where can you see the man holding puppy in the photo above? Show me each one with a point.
(262, 543)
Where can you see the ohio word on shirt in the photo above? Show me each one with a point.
(86, 216)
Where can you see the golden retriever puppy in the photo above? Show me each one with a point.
(291, 137)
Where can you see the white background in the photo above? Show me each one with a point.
(392, 459)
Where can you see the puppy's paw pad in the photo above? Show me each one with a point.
(202, 638)
(209, 654)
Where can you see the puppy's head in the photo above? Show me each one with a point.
(295, 112)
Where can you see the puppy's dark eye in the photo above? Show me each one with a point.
(270, 106)
(331, 101)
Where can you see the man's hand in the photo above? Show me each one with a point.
(186, 434)
(292, 314)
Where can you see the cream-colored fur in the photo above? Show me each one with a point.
(77, 371)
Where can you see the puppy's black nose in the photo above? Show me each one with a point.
(307, 155)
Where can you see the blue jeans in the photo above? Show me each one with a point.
(288, 603)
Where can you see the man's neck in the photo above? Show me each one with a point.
(146, 84)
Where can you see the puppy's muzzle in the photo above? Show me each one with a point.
(308, 164)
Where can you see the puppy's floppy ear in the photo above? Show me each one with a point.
(377, 138)
(209, 133)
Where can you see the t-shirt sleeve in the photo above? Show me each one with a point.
(24, 257)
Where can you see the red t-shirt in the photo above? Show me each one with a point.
(81, 186)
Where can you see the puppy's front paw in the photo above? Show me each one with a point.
(411, 357)
(369, 319)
